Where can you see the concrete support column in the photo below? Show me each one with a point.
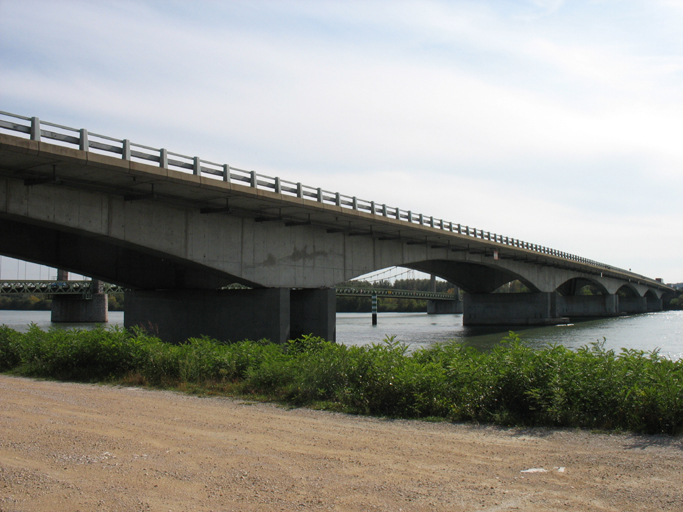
(588, 306)
(510, 309)
(76, 309)
(654, 304)
(633, 305)
(226, 315)
(444, 307)
(313, 311)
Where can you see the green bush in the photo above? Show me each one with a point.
(511, 384)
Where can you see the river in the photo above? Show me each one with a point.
(650, 331)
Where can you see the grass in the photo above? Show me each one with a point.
(512, 384)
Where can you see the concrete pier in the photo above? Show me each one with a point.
(232, 315)
(654, 303)
(633, 305)
(511, 309)
(74, 309)
(77, 309)
(313, 311)
(588, 306)
(444, 307)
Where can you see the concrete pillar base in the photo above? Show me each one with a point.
(226, 315)
(588, 306)
(74, 309)
(444, 307)
(654, 304)
(511, 309)
(232, 315)
(313, 311)
(633, 305)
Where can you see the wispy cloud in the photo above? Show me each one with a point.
(572, 108)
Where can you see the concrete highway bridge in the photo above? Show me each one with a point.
(175, 229)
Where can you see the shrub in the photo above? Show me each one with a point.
(511, 384)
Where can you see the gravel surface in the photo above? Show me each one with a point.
(75, 447)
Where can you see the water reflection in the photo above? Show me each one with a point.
(651, 331)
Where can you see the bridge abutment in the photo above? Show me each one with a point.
(511, 309)
(277, 314)
(588, 306)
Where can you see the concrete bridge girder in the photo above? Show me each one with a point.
(482, 274)
(135, 215)
(174, 247)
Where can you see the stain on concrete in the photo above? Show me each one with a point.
(270, 261)
(303, 254)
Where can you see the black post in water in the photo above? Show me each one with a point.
(374, 309)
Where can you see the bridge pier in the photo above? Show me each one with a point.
(633, 305)
(277, 314)
(313, 311)
(654, 304)
(444, 307)
(77, 309)
(588, 306)
(538, 308)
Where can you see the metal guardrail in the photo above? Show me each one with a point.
(87, 141)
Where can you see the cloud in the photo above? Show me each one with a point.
(480, 111)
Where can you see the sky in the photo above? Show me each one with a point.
(558, 123)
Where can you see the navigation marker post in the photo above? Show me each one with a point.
(374, 309)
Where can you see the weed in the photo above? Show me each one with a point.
(511, 384)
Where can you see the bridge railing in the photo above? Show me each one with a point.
(38, 130)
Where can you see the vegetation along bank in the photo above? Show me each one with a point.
(510, 385)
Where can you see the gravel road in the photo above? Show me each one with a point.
(75, 447)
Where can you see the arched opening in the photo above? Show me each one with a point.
(515, 286)
(627, 292)
(398, 289)
(654, 303)
(474, 278)
(581, 287)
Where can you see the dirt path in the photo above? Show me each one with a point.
(67, 447)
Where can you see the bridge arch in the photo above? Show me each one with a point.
(106, 258)
(575, 285)
(471, 277)
(628, 290)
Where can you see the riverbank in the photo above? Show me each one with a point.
(511, 384)
(68, 447)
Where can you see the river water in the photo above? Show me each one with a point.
(650, 331)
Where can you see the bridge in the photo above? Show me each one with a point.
(176, 229)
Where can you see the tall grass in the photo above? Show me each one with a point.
(510, 385)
